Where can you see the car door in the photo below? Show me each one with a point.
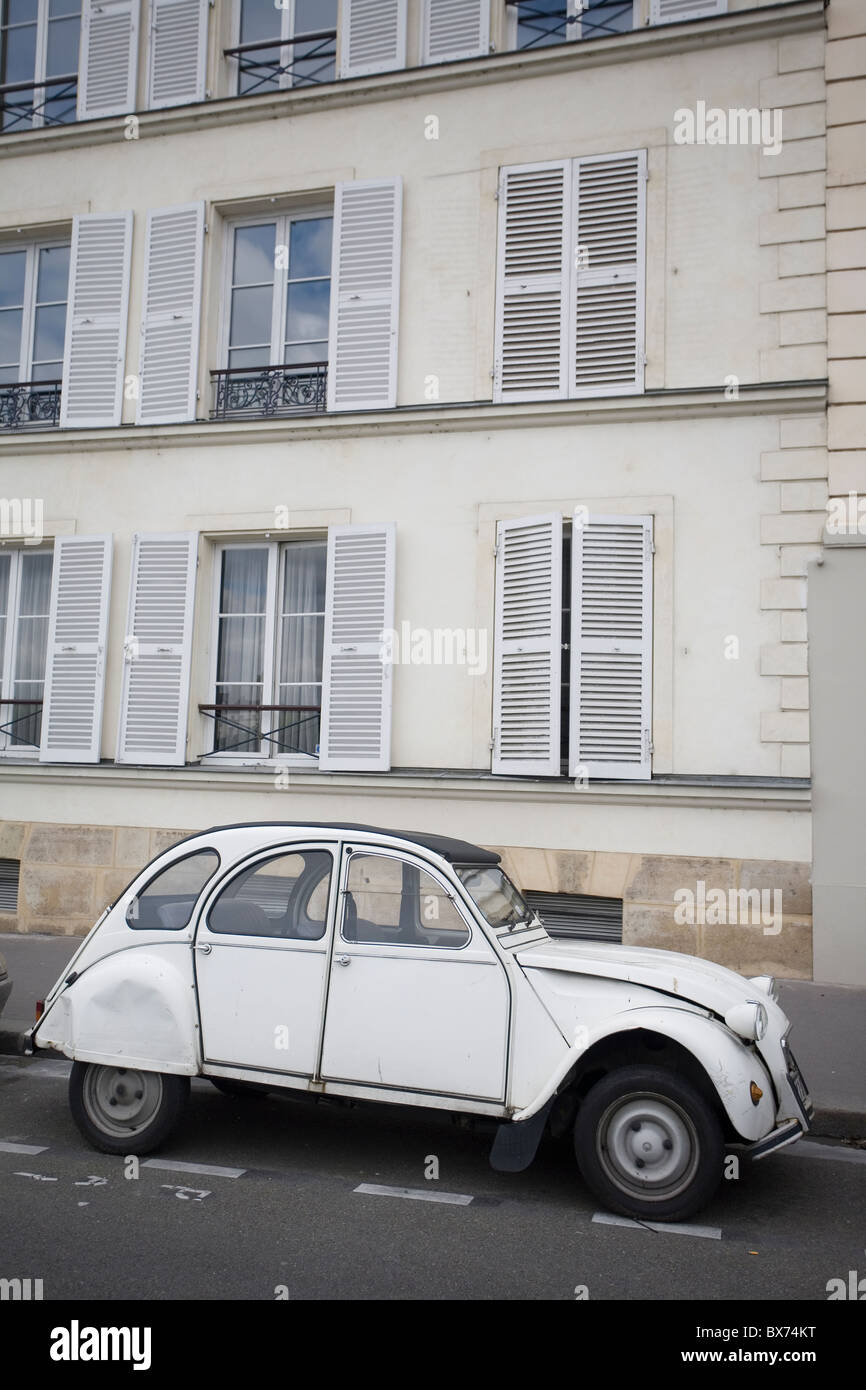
(418, 998)
(261, 961)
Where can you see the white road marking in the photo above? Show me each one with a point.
(38, 1177)
(39, 1071)
(23, 1148)
(415, 1194)
(210, 1169)
(186, 1194)
(606, 1218)
(806, 1149)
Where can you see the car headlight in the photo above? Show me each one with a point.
(767, 984)
(748, 1020)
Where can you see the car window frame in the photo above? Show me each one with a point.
(414, 861)
(252, 862)
(190, 854)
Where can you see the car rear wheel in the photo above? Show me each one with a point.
(649, 1144)
(121, 1110)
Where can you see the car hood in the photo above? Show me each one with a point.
(685, 977)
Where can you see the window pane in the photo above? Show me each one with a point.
(35, 583)
(392, 901)
(541, 22)
(286, 896)
(302, 646)
(307, 311)
(237, 730)
(244, 580)
(62, 47)
(260, 19)
(604, 17)
(241, 650)
(296, 730)
(167, 903)
(60, 7)
(254, 358)
(304, 568)
(21, 12)
(5, 567)
(19, 57)
(251, 317)
(313, 15)
(10, 337)
(310, 247)
(48, 334)
(12, 267)
(302, 354)
(254, 255)
(52, 285)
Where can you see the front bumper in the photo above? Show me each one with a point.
(786, 1133)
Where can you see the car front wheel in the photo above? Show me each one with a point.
(121, 1110)
(648, 1144)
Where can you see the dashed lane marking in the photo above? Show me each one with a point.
(211, 1170)
(606, 1218)
(806, 1149)
(415, 1194)
(23, 1148)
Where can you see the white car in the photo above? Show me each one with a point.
(348, 961)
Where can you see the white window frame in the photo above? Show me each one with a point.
(283, 222)
(573, 31)
(27, 751)
(272, 653)
(37, 120)
(28, 313)
(286, 14)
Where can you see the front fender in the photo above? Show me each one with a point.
(134, 1008)
(729, 1065)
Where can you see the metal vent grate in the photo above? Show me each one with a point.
(9, 871)
(579, 916)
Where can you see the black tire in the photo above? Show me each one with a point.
(239, 1090)
(121, 1110)
(683, 1144)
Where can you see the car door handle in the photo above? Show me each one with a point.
(342, 960)
(205, 948)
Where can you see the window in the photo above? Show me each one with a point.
(307, 55)
(167, 903)
(10, 870)
(269, 643)
(538, 23)
(25, 593)
(393, 901)
(570, 280)
(33, 293)
(38, 44)
(286, 896)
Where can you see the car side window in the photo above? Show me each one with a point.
(284, 896)
(167, 902)
(390, 900)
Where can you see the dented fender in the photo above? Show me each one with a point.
(729, 1065)
(133, 1008)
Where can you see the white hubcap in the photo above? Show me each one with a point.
(648, 1146)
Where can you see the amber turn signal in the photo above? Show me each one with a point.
(755, 1092)
(40, 1009)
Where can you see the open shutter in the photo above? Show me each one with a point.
(373, 37)
(77, 638)
(108, 58)
(611, 647)
(454, 29)
(607, 334)
(356, 679)
(170, 316)
(365, 295)
(158, 650)
(527, 662)
(532, 283)
(177, 52)
(95, 346)
(668, 11)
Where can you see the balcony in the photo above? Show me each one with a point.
(269, 393)
(31, 405)
(29, 105)
(268, 65)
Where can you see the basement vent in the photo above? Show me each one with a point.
(579, 916)
(9, 870)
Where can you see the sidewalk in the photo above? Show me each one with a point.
(828, 1028)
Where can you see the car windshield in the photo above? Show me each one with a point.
(496, 896)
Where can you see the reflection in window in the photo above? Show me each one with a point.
(39, 41)
(167, 903)
(279, 295)
(33, 295)
(302, 63)
(392, 901)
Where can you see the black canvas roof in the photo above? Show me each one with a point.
(455, 851)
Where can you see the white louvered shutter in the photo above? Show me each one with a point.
(527, 661)
(607, 333)
(157, 650)
(611, 647)
(177, 52)
(532, 283)
(108, 58)
(373, 37)
(77, 639)
(356, 681)
(667, 11)
(454, 29)
(365, 295)
(95, 347)
(170, 315)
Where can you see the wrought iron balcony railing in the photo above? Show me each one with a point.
(254, 393)
(287, 737)
(538, 27)
(29, 405)
(28, 737)
(24, 105)
(262, 66)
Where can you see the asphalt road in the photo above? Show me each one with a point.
(281, 1212)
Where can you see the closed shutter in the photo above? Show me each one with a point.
(77, 639)
(356, 681)
(158, 649)
(373, 37)
(10, 872)
(454, 29)
(365, 295)
(108, 59)
(611, 647)
(532, 283)
(608, 304)
(578, 915)
(95, 347)
(177, 52)
(667, 11)
(170, 315)
(527, 662)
